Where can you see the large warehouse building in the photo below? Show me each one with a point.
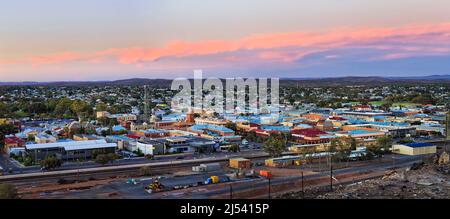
(416, 148)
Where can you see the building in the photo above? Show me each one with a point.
(447, 126)
(211, 130)
(148, 147)
(123, 142)
(177, 145)
(71, 150)
(240, 163)
(210, 121)
(81, 137)
(416, 148)
(11, 143)
(284, 161)
(43, 138)
(311, 136)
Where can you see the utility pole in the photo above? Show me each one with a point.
(331, 175)
(303, 187)
(269, 188)
(393, 162)
(231, 191)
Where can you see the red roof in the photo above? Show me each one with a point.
(308, 132)
(337, 118)
(12, 140)
(254, 125)
(133, 136)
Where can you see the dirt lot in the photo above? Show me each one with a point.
(422, 181)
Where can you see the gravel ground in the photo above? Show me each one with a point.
(423, 181)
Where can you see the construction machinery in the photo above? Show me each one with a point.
(155, 186)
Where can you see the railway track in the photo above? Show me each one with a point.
(108, 171)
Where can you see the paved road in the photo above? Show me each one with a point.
(5, 162)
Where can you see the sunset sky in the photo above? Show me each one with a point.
(54, 40)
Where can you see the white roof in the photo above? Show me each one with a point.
(69, 144)
(89, 146)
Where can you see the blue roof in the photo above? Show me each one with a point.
(276, 128)
(359, 132)
(117, 128)
(304, 126)
(211, 127)
(419, 144)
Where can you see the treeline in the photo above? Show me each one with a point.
(62, 108)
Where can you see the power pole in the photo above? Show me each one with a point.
(303, 188)
(331, 175)
(231, 191)
(269, 188)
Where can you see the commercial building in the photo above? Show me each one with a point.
(70, 150)
(148, 147)
(416, 148)
(311, 136)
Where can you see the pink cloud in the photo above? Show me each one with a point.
(411, 40)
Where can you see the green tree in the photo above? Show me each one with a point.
(274, 146)
(8, 191)
(101, 107)
(51, 162)
(102, 159)
(384, 143)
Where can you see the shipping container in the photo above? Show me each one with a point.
(211, 166)
(265, 173)
(215, 179)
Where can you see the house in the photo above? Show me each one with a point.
(81, 137)
(415, 148)
(43, 138)
(11, 143)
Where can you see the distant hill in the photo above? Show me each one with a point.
(337, 81)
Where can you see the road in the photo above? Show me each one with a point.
(6, 163)
(371, 166)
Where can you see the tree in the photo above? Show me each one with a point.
(102, 159)
(51, 162)
(8, 191)
(384, 143)
(234, 148)
(101, 107)
(106, 158)
(353, 143)
(113, 157)
(274, 146)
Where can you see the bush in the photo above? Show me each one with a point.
(51, 162)
(8, 191)
(145, 171)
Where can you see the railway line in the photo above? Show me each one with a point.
(109, 171)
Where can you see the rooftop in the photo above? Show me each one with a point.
(419, 144)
